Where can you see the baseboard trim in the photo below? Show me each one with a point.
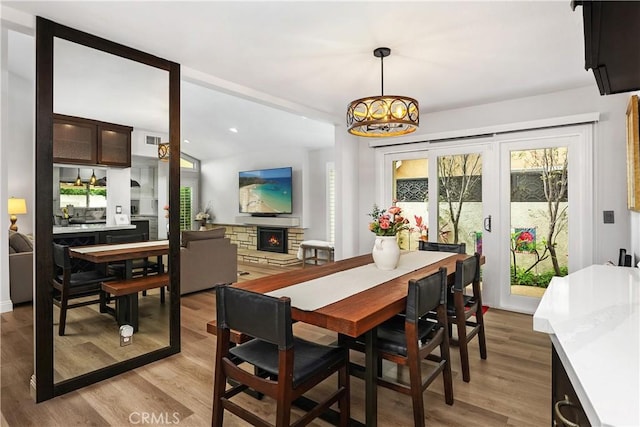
(6, 306)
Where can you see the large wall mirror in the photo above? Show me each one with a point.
(80, 75)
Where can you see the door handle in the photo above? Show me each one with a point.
(487, 224)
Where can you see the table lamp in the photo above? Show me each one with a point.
(16, 207)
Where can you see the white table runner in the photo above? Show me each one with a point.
(111, 247)
(316, 293)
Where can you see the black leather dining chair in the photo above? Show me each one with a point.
(462, 307)
(459, 248)
(68, 285)
(408, 339)
(140, 267)
(285, 366)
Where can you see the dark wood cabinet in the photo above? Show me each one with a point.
(566, 409)
(611, 36)
(77, 140)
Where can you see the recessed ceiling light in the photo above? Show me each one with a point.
(234, 130)
(187, 141)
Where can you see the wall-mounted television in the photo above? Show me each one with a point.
(265, 192)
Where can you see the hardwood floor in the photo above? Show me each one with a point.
(511, 388)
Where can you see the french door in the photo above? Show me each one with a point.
(524, 200)
(546, 211)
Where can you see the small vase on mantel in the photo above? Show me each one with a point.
(203, 225)
(386, 252)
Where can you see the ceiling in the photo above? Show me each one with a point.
(310, 59)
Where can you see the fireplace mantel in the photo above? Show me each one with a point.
(279, 221)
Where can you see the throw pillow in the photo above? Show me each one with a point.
(19, 242)
(189, 236)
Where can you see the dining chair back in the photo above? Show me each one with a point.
(285, 366)
(459, 248)
(68, 285)
(140, 267)
(411, 338)
(462, 307)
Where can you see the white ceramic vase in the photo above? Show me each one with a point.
(386, 252)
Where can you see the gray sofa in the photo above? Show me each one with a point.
(20, 268)
(207, 258)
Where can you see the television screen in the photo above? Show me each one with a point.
(265, 191)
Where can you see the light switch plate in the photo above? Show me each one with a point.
(608, 217)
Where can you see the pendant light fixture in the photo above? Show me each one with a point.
(78, 182)
(93, 179)
(163, 151)
(384, 115)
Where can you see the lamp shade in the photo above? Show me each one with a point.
(16, 206)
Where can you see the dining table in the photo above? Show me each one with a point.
(352, 297)
(102, 254)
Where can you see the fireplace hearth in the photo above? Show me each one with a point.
(271, 239)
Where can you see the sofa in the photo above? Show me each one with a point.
(207, 258)
(20, 268)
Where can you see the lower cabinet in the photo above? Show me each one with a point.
(566, 410)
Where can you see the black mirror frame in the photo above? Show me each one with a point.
(46, 31)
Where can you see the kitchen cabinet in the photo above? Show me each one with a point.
(591, 317)
(565, 406)
(611, 34)
(78, 140)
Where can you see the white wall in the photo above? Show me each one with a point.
(17, 147)
(219, 181)
(316, 194)
(609, 156)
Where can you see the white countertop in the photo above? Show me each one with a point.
(89, 228)
(593, 316)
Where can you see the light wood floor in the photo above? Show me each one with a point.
(511, 388)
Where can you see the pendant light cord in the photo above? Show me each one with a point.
(382, 75)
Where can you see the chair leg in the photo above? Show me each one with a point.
(415, 379)
(344, 402)
(464, 348)
(219, 386)
(64, 302)
(162, 295)
(482, 343)
(446, 372)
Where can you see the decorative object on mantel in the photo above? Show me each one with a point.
(386, 224)
(203, 216)
(384, 115)
(163, 151)
(16, 207)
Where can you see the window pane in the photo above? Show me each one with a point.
(410, 190)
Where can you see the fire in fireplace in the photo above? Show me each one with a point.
(272, 239)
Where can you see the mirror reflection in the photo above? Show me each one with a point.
(105, 191)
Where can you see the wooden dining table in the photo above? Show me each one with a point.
(126, 252)
(123, 252)
(356, 314)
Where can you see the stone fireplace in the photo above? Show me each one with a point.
(272, 239)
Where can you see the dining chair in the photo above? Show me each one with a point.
(462, 307)
(408, 339)
(140, 267)
(68, 285)
(285, 366)
(459, 248)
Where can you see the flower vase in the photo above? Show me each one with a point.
(386, 252)
(203, 226)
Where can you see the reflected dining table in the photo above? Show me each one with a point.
(351, 297)
(123, 252)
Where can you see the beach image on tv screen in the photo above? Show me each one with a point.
(265, 191)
